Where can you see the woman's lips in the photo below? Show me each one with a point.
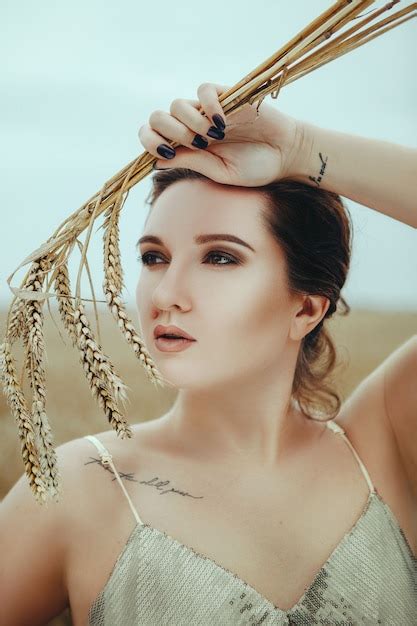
(172, 345)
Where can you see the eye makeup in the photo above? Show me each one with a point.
(231, 260)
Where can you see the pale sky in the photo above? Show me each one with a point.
(79, 78)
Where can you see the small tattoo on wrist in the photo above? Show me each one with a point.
(322, 168)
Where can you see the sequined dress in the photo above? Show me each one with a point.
(369, 578)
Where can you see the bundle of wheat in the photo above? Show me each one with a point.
(311, 48)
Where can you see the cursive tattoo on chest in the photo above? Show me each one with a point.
(109, 469)
(162, 483)
(153, 482)
(322, 168)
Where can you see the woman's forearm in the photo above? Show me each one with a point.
(375, 173)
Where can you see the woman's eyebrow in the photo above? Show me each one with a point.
(199, 239)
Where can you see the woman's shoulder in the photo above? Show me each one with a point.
(44, 529)
(148, 433)
(147, 440)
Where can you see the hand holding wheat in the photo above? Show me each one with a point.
(257, 147)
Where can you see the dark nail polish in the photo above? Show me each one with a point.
(166, 151)
(199, 142)
(219, 121)
(215, 133)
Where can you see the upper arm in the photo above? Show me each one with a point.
(388, 397)
(400, 395)
(33, 547)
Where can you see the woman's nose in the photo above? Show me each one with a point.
(172, 290)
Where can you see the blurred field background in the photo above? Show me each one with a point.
(363, 338)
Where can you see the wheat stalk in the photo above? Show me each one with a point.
(105, 384)
(17, 321)
(37, 378)
(65, 306)
(311, 48)
(112, 286)
(26, 430)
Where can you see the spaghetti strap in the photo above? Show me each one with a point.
(107, 459)
(338, 429)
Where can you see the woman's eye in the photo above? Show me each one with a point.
(146, 258)
(230, 260)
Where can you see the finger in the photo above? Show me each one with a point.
(171, 128)
(208, 94)
(151, 140)
(203, 161)
(188, 112)
(164, 128)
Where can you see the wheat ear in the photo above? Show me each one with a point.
(112, 286)
(17, 321)
(27, 435)
(106, 386)
(35, 355)
(66, 309)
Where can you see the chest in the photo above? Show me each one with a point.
(274, 530)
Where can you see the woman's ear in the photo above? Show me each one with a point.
(308, 315)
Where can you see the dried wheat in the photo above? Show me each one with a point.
(105, 384)
(112, 285)
(19, 409)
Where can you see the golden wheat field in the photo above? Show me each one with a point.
(363, 339)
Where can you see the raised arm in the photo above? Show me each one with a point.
(378, 174)
(382, 176)
(258, 147)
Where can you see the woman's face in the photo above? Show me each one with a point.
(239, 312)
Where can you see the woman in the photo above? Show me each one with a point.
(281, 505)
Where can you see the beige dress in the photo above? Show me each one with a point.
(369, 578)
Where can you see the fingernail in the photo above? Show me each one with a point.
(199, 142)
(215, 133)
(166, 151)
(219, 121)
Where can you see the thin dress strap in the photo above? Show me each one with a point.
(338, 429)
(107, 459)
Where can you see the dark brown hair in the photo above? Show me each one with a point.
(314, 229)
